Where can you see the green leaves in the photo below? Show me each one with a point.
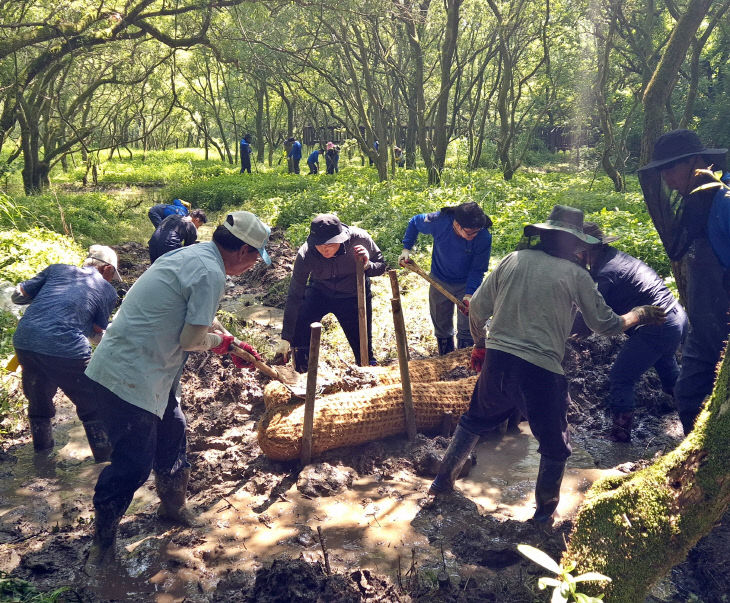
(565, 585)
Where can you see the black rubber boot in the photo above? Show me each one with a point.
(547, 489)
(171, 490)
(465, 342)
(42, 433)
(301, 360)
(458, 451)
(445, 344)
(621, 427)
(102, 551)
(99, 442)
(687, 417)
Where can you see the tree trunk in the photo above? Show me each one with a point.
(635, 528)
(260, 89)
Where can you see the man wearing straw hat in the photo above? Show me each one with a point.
(626, 282)
(168, 312)
(694, 224)
(530, 297)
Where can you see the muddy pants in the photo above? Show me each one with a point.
(508, 382)
(43, 375)
(317, 304)
(707, 306)
(141, 441)
(650, 345)
(442, 312)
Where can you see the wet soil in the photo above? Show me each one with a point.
(456, 550)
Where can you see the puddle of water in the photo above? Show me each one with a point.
(370, 525)
(244, 307)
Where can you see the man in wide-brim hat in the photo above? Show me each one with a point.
(530, 298)
(626, 282)
(698, 231)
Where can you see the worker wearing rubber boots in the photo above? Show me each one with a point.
(69, 309)
(690, 205)
(324, 281)
(626, 282)
(136, 370)
(530, 297)
(462, 245)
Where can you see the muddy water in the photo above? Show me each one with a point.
(368, 526)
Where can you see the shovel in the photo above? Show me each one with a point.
(284, 374)
(413, 267)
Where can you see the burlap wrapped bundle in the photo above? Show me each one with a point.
(421, 371)
(350, 418)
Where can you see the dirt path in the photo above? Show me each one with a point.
(381, 544)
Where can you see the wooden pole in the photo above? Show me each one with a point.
(401, 341)
(316, 334)
(362, 313)
(413, 267)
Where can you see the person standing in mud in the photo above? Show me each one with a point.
(530, 298)
(324, 281)
(136, 370)
(698, 230)
(462, 245)
(174, 232)
(626, 282)
(69, 309)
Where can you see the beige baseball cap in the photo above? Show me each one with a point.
(248, 228)
(106, 255)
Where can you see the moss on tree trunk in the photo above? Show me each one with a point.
(634, 529)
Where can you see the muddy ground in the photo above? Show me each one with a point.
(223, 405)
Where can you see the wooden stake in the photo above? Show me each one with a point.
(401, 341)
(316, 334)
(362, 314)
(395, 288)
(324, 551)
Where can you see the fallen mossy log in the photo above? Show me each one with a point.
(634, 529)
(350, 418)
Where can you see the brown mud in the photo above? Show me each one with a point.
(259, 540)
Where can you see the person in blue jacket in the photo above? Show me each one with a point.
(313, 161)
(700, 231)
(626, 282)
(157, 213)
(246, 153)
(462, 245)
(294, 155)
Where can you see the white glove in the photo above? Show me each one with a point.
(404, 257)
(283, 349)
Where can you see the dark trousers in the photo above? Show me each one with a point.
(43, 375)
(707, 306)
(442, 311)
(313, 168)
(648, 346)
(508, 382)
(317, 304)
(245, 163)
(141, 441)
(294, 165)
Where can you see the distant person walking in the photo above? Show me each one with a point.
(246, 151)
(330, 158)
(174, 232)
(294, 155)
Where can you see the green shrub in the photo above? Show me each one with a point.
(24, 254)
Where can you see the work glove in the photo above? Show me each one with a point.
(240, 362)
(466, 300)
(649, 315)
(477, 359)
(224, 345)
(404, 257)
(362, 254)
(283, 349)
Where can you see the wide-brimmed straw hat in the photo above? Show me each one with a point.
(680, 144)
(565, 218)
(592, 229)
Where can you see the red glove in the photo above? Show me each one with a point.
(224, 345)
(240, 362)
(477, 359)
(466, 301)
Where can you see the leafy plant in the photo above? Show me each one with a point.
(21, 591)
(565, 586)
